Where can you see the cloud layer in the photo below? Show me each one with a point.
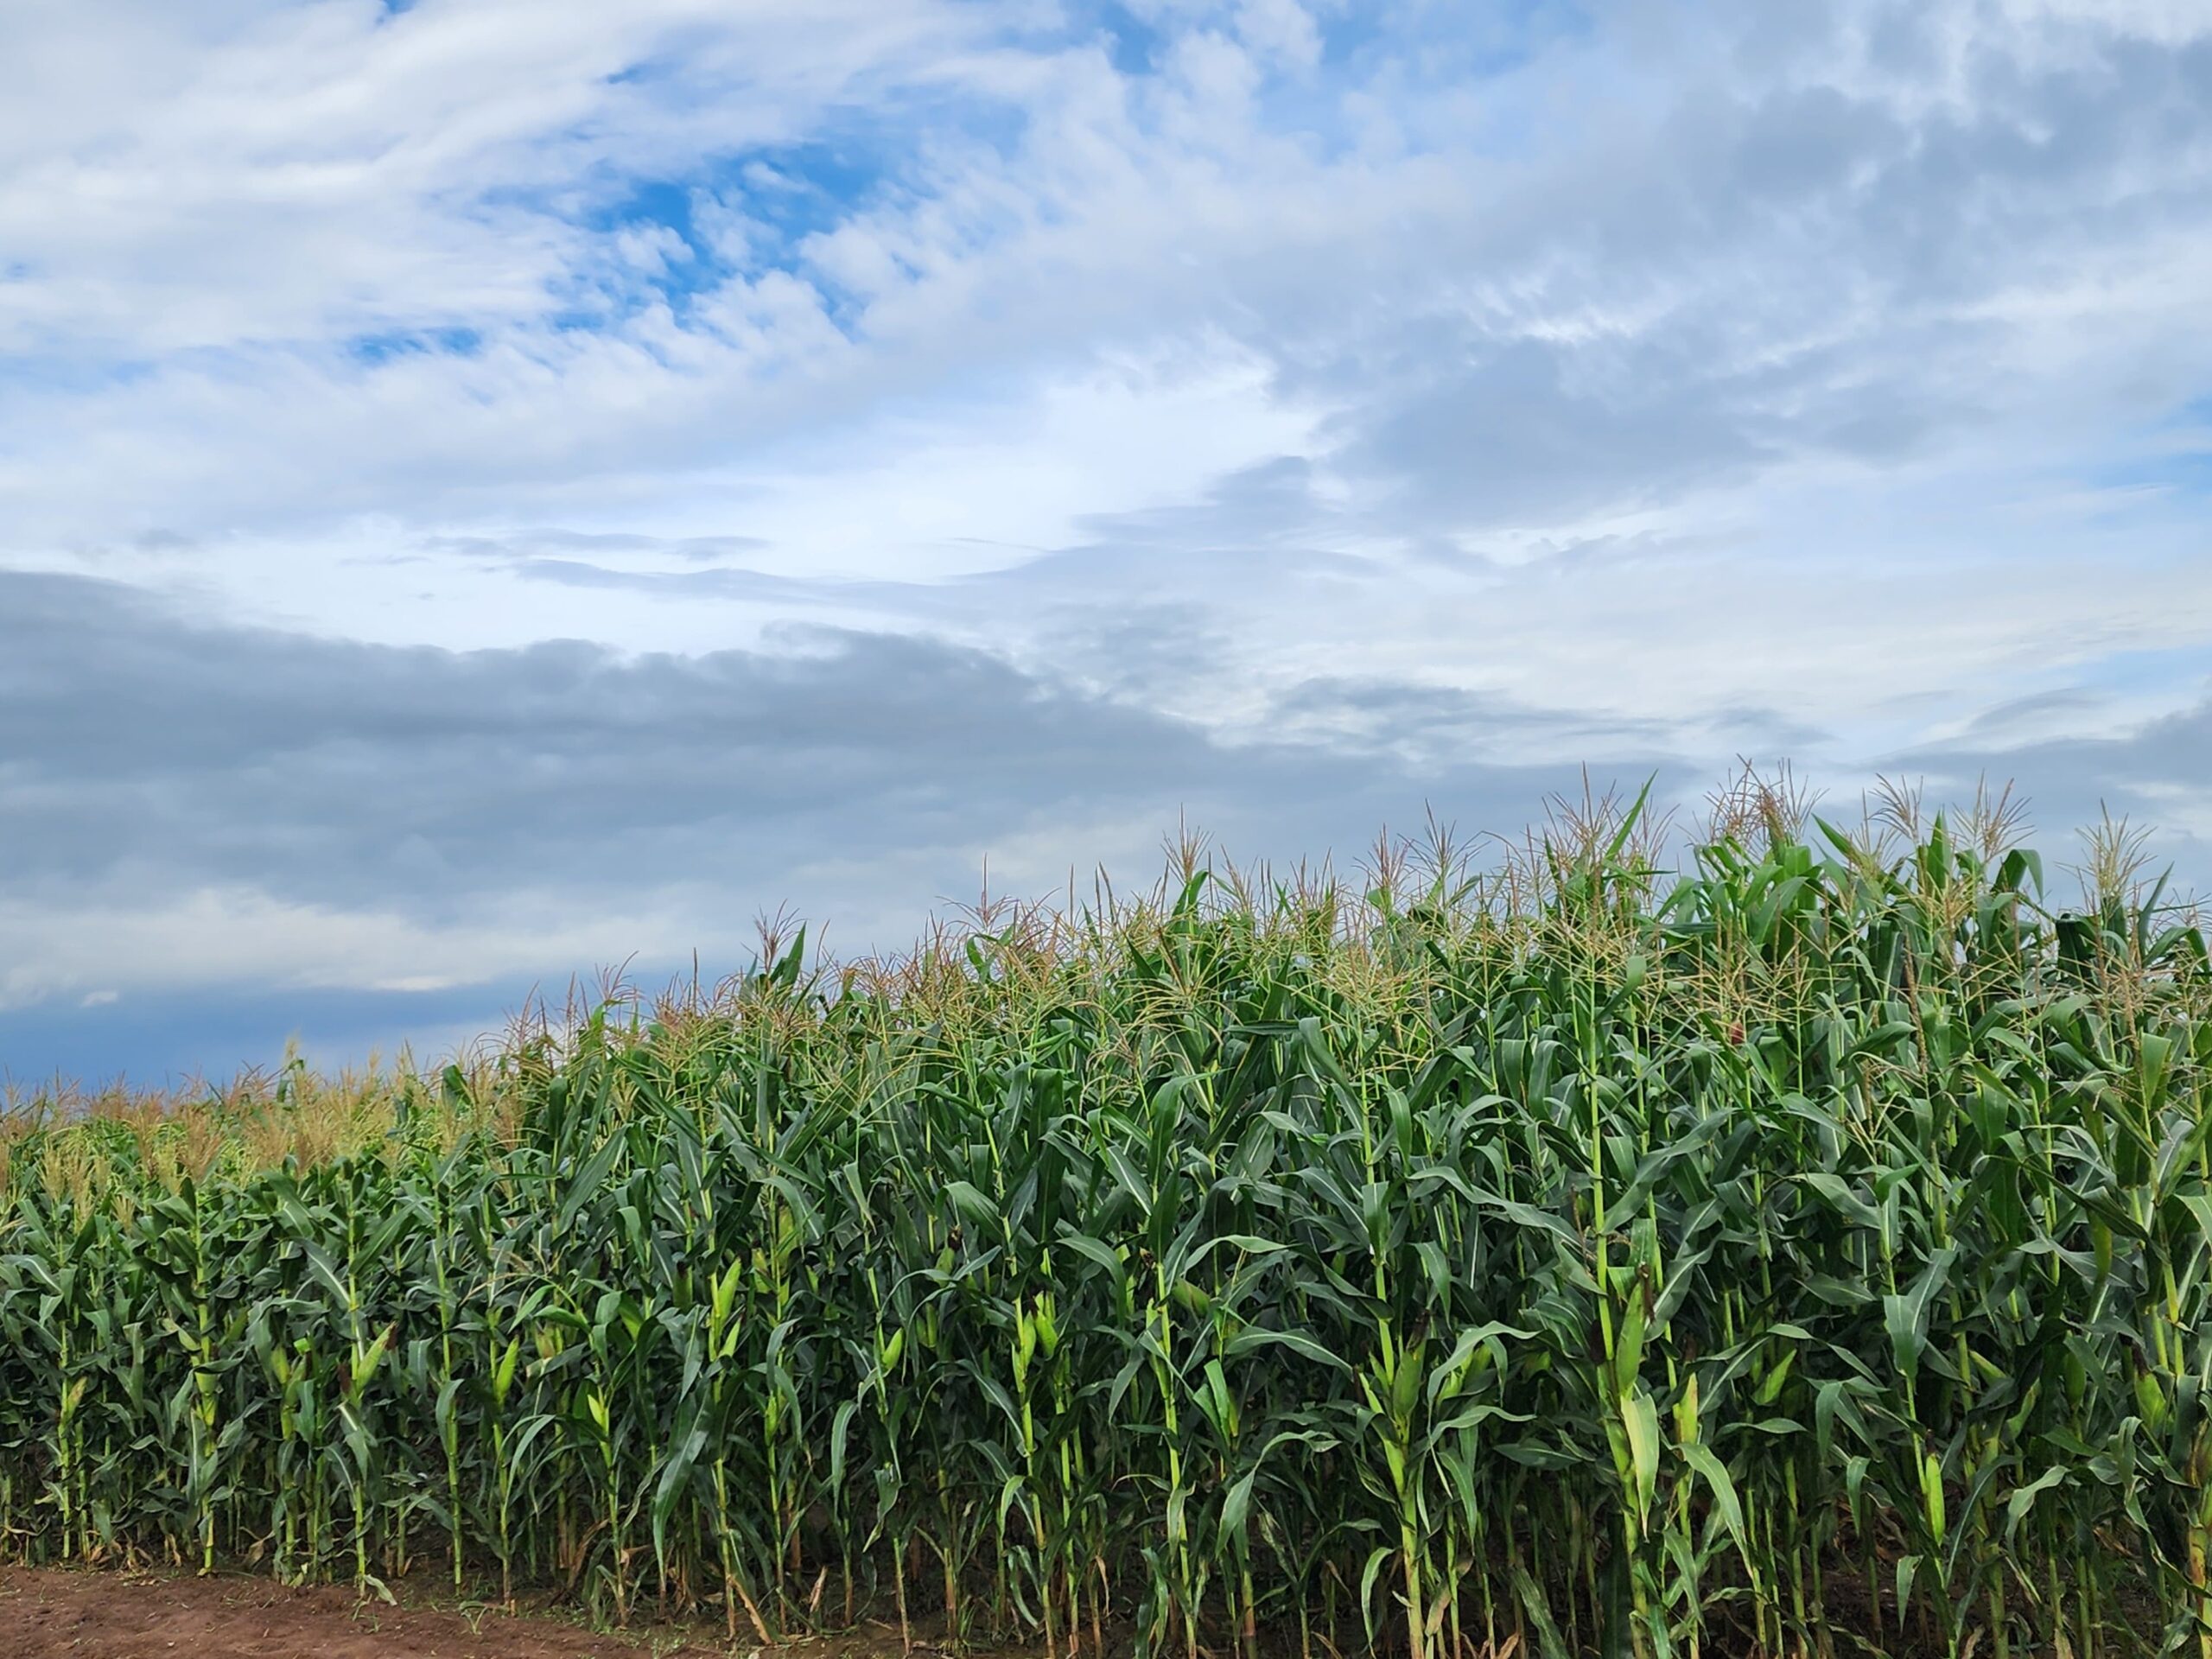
(486, 489)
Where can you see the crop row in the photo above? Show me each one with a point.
(1810, 1251)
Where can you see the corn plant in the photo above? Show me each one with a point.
(1807, 1249)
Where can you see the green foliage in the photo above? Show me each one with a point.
(1813, 1250)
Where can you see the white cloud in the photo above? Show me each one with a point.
(174, 178)
(97, 952)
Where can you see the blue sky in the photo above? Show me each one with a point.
(492, 490)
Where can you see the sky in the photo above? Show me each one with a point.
(494, 489)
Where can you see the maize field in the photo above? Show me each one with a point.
(1801, 1253)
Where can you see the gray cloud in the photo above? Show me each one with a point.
(160, 754)
(1849, 241)
(1527, 432)
(860, 776)
(2157, 775)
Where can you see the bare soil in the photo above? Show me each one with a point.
(46, 1613)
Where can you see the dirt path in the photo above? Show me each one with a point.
(45, 1614)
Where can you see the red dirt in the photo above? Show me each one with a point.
(47, 1613)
